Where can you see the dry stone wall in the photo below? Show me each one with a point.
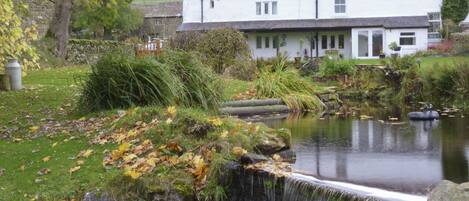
(81, 51)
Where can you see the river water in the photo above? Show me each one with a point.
(404, 156)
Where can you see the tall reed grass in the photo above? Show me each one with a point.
(296, 92)
(174, 78)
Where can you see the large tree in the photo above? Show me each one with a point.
(59, 26)
(15, 41)
(455, 10)
(106, 16)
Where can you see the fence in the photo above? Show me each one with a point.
(153, 48)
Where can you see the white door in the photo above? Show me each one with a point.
(368, 43)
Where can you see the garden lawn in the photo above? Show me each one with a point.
(152, 1)
(426, 61)
(233, 87)
(48, 94)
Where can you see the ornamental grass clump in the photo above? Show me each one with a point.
(174, 78)
(295, 91)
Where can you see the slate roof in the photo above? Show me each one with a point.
(308, 24)
(166, 9)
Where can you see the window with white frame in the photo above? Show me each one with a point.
(407, 38)
(274, 8)
(276, 42)
(259, 42)
(267, 8)
(435, 25)
(340, 6)
(341, 41)
(267, 42)
(324, 42)
(258, 8)
(332, 44)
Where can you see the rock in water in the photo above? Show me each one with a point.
(273, 143)
(449, 191)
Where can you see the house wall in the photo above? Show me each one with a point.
(393, 35)
(296, 43)
(380, 8)
(160, 27)
(245, 10)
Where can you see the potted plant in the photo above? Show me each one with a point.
(396, 48)
(382, 55)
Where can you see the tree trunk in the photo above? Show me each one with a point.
(59, 26)
(107, 34)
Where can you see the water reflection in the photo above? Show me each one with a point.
(410, 157)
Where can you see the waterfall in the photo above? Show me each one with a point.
(301, 188)
(264, 185)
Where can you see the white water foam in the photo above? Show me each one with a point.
(363, 190)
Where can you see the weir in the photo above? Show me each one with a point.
(263, 185)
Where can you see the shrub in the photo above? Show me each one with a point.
(278, 63)
(186, 41)
(402, 63)
(445, 47)
(222, 47)
(461, 41)
(448, 84)
(296, 92)
(411, 87)
(331, 67)
(310, 67)
(242, 69)
(119, 81)
(15, 41)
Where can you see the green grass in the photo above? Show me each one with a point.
(52, 94)
(18, 184)
(426, 61)
(152, 1)
(48, 93)
(233, 87)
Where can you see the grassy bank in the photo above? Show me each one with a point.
(50, 152)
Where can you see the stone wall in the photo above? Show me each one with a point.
(40, 12)
(160, 27)
(82, 51)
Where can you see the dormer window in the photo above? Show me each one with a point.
(340, 6)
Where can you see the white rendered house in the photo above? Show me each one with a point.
(313, 28)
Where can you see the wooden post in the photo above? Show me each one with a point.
(5, 82)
